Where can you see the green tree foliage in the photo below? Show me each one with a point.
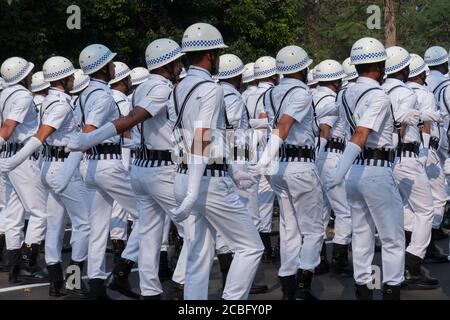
(36, 29)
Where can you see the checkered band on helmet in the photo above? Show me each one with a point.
(99, 62)
(140, 79)
(230, 73)
(122, 73)
(18, 75)
(265, 72)
(81, 85)
(398, 66)
(299, 65)
(39, 87)
(367, 56)
(66, 71)
(437, 61)
(416, 71)
(163, 58)
(319, 76)
(352, 75)
(202, 43)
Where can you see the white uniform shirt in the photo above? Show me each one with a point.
(235, 107)
(325, 98)
(427, 106)
(57, 112)
(403, 100)
(122, 102)
(372, 112)
(255, 103)
(20, 108)
(153, 95)
(100, 107)
(204, 109)
(77, 109)
(247, 92)
(341, 129)
(435, 83)
(298, 105)
(38, 100)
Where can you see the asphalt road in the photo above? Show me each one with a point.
(326, 287)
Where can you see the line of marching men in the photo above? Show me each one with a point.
(366, 139)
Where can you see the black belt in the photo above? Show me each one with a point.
(290, 152)
(211, 170)
(408, 149)
(152, 158)
(11, 148)
(241, 153)
(376, 157)
(53, 153)
(335, 145)
(434, 143)
(105, 151)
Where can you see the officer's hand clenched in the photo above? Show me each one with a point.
(77, 142)
(184, 210)
(5, 165)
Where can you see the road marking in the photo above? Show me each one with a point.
(37, 285)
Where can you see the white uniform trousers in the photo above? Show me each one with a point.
(119, 223)
(415, 191)
(166, 231)
(375, 202)
(336, 199)
(71, 202)
(154, 189)
(24, 191)
(219, 209)
(299, 193)
(266, 197)
(436, 179)
(2, 204)
(107, 180)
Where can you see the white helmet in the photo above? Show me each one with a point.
(230, 66)
(1, 83)
(349, 70)
(397, 59)
(183, 73)
(139, 75)
(161, 52)
(417, 65)
(38, 83)
(15, 69)
(249, 73)
(202, 36)
(95, 57)
(265, 67)
(367, 50)
(81, 81)
(329, 70)
(57, 68)
(121, 72)
(292, 59)
(311, 78)
(435, 56)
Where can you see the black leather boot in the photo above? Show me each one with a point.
(267, 255)
(164, 272)
(70, 287)
(362, 292)
(118, 247)
(439, 234)
(119, 278)
(175, 291)
(324, 266)
(55, 275)
(225, 260)
(97, 290)
(3, 262)
(391, 292)
(288, 287)
(30, 269)
(433, 253)
(415, 279)
(14, 260)
(408, 235)
(341, 265)
(304, 280)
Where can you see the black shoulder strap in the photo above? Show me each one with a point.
(46, 108)
(320, 100)
(439, 86)
(227, 122)
(395, 87)
(442, 90)
(179, 112)
(259, 99)
(397, 125)
(277, 114)
(82, 105)
(6, 100)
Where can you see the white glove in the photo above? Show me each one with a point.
(84, 141)
(255, 139)
(447, 167)
(128, 143)
(241, 178)
(265, 165)
(196, 168)
(259, 123)
(9, 164)
(430, 115)
(395, 140)
(336, 176)
(322, 144)
(412, 118)
(61, 180)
